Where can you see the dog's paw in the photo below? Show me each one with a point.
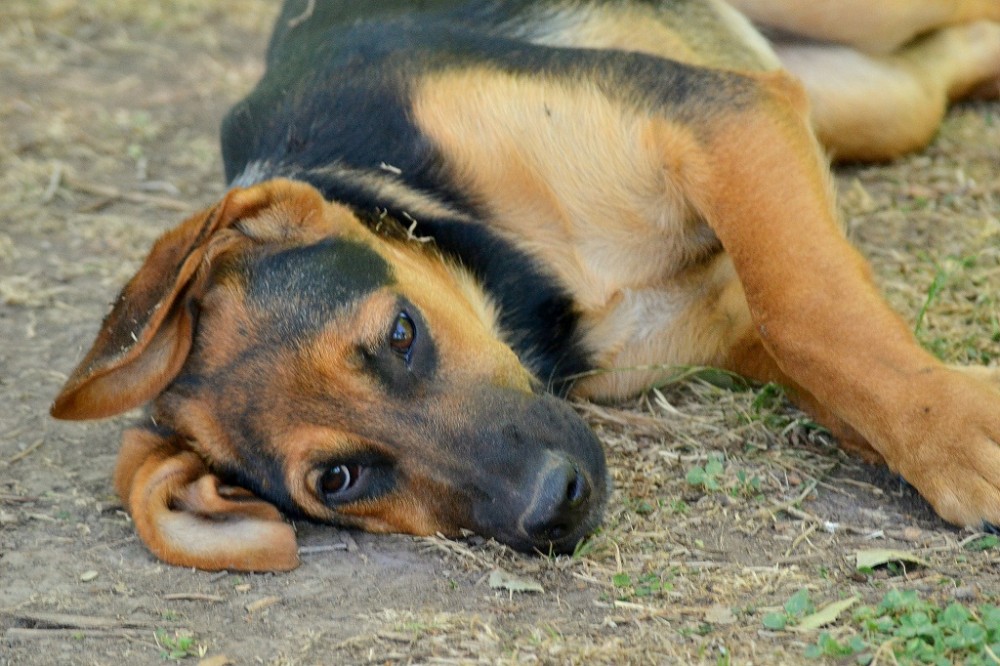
(950, 450)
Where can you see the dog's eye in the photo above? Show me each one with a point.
(404, 332)
(338, 480)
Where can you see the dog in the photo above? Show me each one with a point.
(446, 216)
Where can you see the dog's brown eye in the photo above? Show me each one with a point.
(404, 332)
(339, 479)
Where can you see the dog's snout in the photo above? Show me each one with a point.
(559, 505)
(541, 479)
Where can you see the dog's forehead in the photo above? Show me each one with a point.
(306, 285)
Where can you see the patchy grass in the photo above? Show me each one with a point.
(906, 629)
(178, 645)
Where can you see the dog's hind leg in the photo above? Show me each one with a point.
(873, 26)
(879, 107)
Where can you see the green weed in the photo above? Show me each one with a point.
(707, 476)
(905, 629)
(644, 585)
(988, 542)
(179, 645)
(713, 477)
(797, 607)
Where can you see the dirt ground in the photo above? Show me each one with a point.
(108, 135)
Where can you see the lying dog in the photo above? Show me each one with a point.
(446, 213)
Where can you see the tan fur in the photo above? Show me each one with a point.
(874, 26)
(878, 108)
(587, 210)
(761, 183)
(463, 317)
(716, 36)
(185, 517)
(700, 230)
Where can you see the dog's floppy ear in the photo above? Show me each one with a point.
(146, 337)
(187, 517)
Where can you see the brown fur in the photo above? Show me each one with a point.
(697, 231)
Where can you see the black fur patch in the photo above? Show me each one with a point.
(302, 288)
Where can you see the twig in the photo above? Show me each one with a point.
(193, 596)
(646, 612)
(587, 578)
(853, 529)
(799, 559)
(261, 604)
(28, 451)
(17, 499)
(969, 539)
(54, 621)
(884, 647)
(451, 547)
(784, 506)
(54, 181)
(113, 193)
(23, 634)
(800, 538)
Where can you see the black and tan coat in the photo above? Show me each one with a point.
(444, 214)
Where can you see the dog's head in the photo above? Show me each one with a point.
(298, 360)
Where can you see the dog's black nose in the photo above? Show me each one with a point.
(560, 503)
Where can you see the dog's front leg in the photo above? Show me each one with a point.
(764, 188)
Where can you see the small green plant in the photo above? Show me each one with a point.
(797, 607)
(767, 406)
(179, 645)
(707, 477)
(941, 275)
(586, 545)
(645, 585)
(828, 646)
(988, 542)
(640, 506)
(748, 486)
(714, 477)
(915, 631)
(680, 507)
(772, 408)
